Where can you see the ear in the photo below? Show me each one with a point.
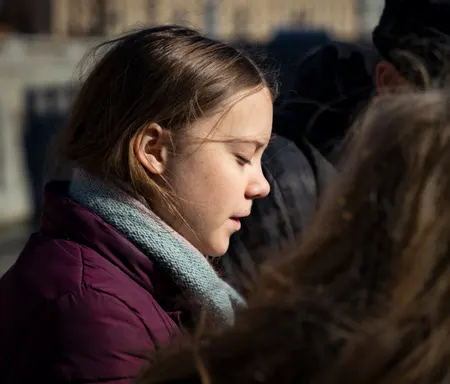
(150, 148)
(388, 77)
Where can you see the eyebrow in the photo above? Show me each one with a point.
(257, 143)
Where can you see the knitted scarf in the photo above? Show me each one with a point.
(186, 266)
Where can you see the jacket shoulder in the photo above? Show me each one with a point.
(48, 268)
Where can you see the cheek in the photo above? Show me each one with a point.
(207, 181)
(190, 176)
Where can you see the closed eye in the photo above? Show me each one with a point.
(243, 160)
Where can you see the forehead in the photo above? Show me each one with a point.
(247, 117)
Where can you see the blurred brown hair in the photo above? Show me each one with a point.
(364, 297)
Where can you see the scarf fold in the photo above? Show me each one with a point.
(186, 266)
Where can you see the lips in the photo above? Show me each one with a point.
(237, 219)
(237, 222)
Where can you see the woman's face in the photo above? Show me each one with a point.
(217, 174)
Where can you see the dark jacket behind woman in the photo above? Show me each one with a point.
(333, 83)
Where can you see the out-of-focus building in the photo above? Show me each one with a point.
(228, 19)
(369, 12)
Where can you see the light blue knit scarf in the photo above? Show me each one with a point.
(186, 266)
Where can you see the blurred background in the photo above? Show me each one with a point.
(43, 41)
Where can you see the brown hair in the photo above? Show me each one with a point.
(376, 259)
(424, 64)
(170, 75)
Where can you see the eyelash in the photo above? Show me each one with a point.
(243, 160)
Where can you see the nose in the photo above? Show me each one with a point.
(258, 187)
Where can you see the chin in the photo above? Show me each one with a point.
(218, 249)
(217, 253)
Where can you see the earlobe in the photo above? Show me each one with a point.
(387, 77)
(150, 148)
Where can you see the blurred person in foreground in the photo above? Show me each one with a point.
(364, 297)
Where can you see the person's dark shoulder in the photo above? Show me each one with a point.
(336, 58)
(332, 83)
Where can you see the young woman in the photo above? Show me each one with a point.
(364, 298)
(166, 137)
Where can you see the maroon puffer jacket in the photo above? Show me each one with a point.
(81, 304)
